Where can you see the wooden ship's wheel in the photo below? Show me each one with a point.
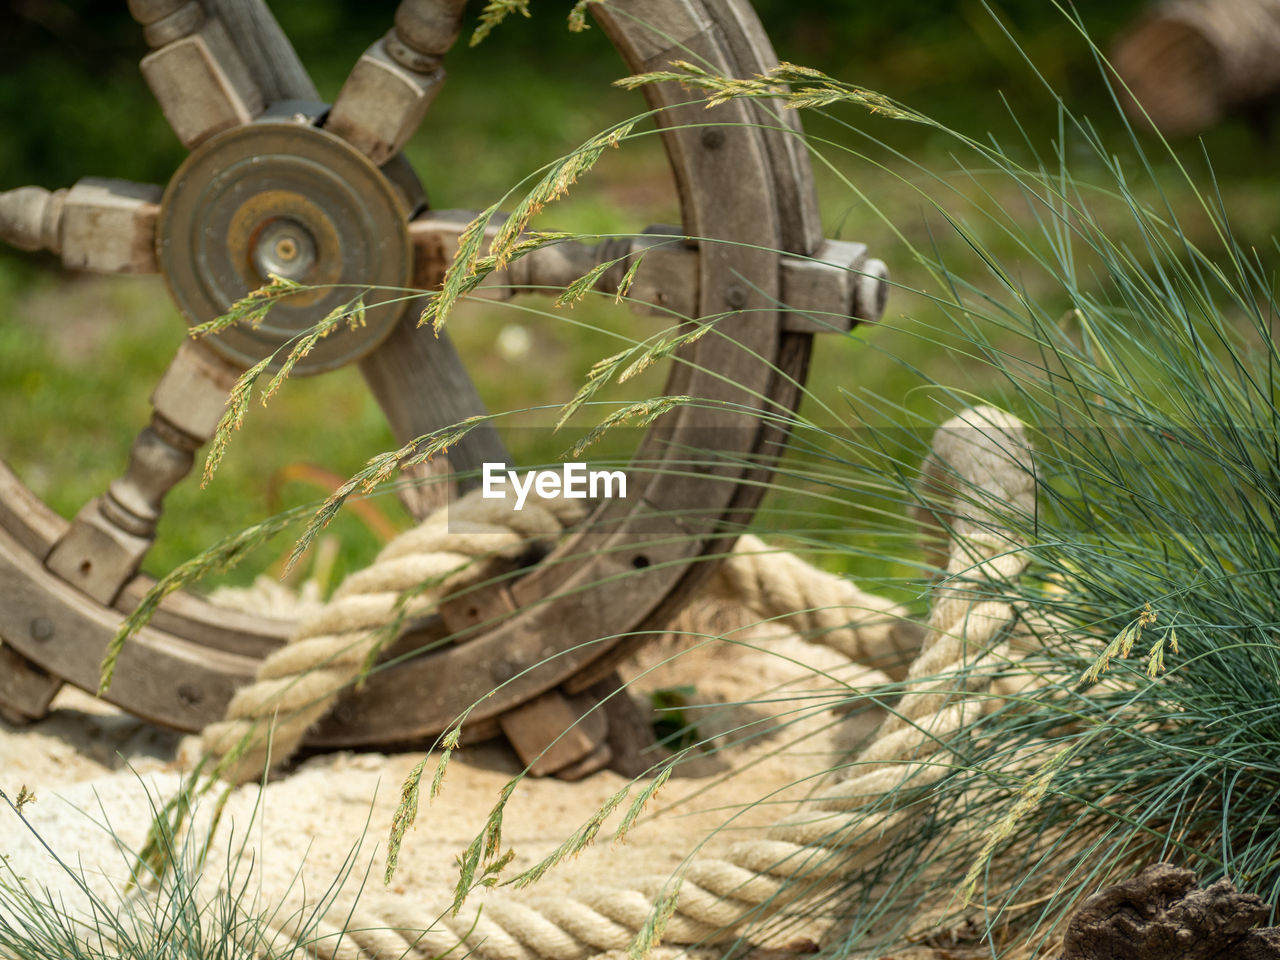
(277, 182)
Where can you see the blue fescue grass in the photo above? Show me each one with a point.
(160, 913)
(1145, 365)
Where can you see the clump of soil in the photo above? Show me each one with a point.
(1162, 915)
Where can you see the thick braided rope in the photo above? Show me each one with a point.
(776, 585)
(835, 834)
(297, 685)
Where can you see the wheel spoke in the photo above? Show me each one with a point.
(108, 538)
(394, 81)
(825, 292)
(266, 51)
(194, 70)
(832, 289)
(106, 226)
(435, 234)
(422, 386)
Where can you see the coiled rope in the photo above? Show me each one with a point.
(980, 466)
(460, 545)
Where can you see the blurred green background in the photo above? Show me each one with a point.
(79, 355)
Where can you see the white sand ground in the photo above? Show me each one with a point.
(92, 767)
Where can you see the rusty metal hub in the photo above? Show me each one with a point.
(285, 197)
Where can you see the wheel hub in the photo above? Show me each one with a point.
(284, 247)
(283, 197)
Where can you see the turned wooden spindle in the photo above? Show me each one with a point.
(101, 225)
(423, 33)
(161, 455)
(30, 218)
(111, 534)
(164, 21)
(393, 84)
(195, 70)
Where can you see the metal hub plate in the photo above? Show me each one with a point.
(285, 197)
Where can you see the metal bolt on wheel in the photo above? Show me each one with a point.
(278, 183)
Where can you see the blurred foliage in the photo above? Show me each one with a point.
(71, 90)
(71, 65)
(78, 355)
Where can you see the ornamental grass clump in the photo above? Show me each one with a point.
(1130, 714)
(168, 913)
(1148, 724)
